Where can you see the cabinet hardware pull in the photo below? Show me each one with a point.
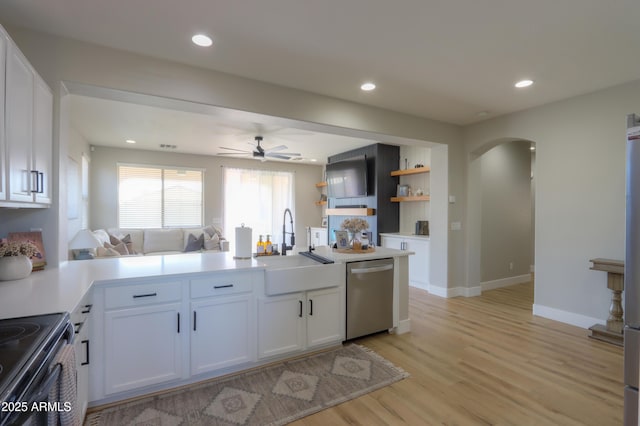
(87, 309)
(300, 314)
(178, 322)
(85, 342)
(310, 306)
(137, 296)
(194, 320)
(36, 181)
(222, 286)
(78, 326)
(41, 183)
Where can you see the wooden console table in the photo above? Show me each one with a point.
(612, 332)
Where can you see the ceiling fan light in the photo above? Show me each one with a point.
(523, 83)
(202, 40)
(368, 86)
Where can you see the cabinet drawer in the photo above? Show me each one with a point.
(142, 294)
(222, 283)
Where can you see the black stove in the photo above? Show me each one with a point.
(27, 346)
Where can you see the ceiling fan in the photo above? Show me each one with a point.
(262, 153)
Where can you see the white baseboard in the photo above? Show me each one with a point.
(566, 317)
(505, 282)
(404, 326)
(455, 291)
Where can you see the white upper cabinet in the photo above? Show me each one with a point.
(26, 161)
(19, 124)
(42, 141)
(3, 152)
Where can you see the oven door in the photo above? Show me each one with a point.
(31, 405)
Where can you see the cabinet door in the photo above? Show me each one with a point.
(391, 242)
(3, 151)
(82, 346)
(281, 324)
(419, 264)
(42, 142)
(221, 333)
(324, 317)
(19, 124)
(143, 346)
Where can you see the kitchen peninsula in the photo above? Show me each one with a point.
(158, 322)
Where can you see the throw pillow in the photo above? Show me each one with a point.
(106, 252)
(126, 240)
(120, 248)
(213, 243)
(194, 244)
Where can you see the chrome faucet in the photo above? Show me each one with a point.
(284, 232)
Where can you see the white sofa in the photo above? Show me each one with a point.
(123, 242)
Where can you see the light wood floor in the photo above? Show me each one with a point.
(488, 361)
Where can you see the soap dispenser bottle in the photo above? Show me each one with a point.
(260, 247)
(268, 247)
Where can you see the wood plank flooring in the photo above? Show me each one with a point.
(488, 361)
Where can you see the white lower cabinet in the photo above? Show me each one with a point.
(281, 326)
(143, 346)
(419, 262)
(82, 323)
(221, 333)
(298, 321)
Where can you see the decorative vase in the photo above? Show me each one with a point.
(14, 267)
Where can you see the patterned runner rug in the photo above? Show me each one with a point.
(274, 395)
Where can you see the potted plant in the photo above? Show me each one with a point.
(355, 226)
(15, 262)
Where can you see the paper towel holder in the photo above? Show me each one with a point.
(243, 253)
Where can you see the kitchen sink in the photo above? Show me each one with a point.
(288, 274)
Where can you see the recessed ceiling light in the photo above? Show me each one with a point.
(523, 83)
(130, 141)
(482, 114)
(367, 87)
(532, 148)
(202, 40)
(313, 160)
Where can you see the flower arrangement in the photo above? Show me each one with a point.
(18, 248)
(355, 225)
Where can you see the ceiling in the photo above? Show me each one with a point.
(109, 122)
(450, 60)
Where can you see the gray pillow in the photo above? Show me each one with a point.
(194, 244)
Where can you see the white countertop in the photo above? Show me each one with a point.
(62, 289)
(405, 235)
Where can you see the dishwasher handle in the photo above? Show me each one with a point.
(372, 269)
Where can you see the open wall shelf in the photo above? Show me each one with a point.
(355, 211)
(405, 172)
(412, 198)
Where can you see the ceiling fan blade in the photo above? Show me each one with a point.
(291, 154)
(234, 149)
(276, 148)
(237, 154)
(280, 156)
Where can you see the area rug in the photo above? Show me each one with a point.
(274, 395)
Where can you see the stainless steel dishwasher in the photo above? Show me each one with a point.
(369, 297)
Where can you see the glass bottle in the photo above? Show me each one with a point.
(260, 247)
(268, 248)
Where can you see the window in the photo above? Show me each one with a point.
(157, 197)
(258, 199)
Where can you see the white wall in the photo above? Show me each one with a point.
(104, 185)
(580, 200)
(410, 212)
(506, 211)
(78, 147)
(63, 60)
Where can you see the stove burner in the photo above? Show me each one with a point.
(15, 332)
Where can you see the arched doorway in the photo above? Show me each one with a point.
(501, 214)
